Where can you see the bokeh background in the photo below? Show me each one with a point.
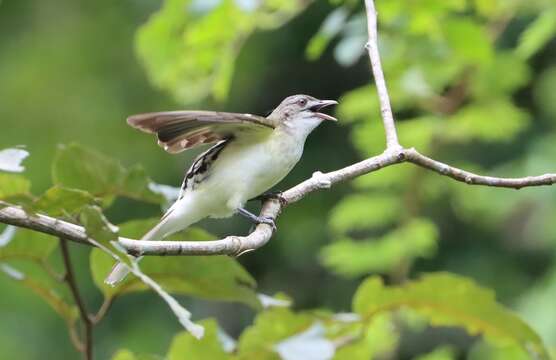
(473, 84)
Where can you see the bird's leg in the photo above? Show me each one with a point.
(270, 195)
(257, 219)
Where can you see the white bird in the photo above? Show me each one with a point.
(251, 155)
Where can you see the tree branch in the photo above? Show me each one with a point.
(238, 245)
(470, 178)
(69, 278)
(372, 48)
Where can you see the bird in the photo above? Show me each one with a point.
(250, 155)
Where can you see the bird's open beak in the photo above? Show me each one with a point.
(321, 104)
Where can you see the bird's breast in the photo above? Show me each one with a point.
(243, 171)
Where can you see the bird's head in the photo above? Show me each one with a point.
(301, 112)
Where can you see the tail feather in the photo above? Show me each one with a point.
(120, 271)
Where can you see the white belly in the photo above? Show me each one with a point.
(243, 171)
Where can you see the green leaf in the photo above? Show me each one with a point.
(392, 177)
(11, 159)
(419, 132)
(50, 294)
(379, 339)
(450, 300)
(544, 93)
(362, 212)
(81, 168)
(185, 347)
(537, 34)
(58, 201)
(125, 354)
(269, 328)
(505, 74)
(330, 27)
(78, 167)
(97, 226)
(137, 185)
(350, 258)
(468, 40)
(488, 351)
(13, 185)
(440, 353)
(358, 104)
(165, 43)
(494, 121)
(209, 277)
(28, 244)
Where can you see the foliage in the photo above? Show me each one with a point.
(213, 31)
(471, 83)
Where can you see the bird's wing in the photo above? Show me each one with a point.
(182, 130)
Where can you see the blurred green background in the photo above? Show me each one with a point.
(473, 83)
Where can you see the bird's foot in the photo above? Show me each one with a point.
(258, 219)
(268, 221)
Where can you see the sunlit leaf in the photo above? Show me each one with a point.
(97, 226)
(185, 347)
(137, 185)
(13, 185)
(214, 34)
(468, 40)
(379, 338)
(81, 168)
(58, 201)
(124, 354)
(441, 353)
(78, 167)
(448, 299)
(353, 258)
(537, 34)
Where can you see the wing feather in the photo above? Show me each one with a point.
(182, 130)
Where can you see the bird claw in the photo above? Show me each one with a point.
(268, 221)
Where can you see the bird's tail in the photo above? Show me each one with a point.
(120, 271)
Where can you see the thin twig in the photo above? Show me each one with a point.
(106, 304)
(470, 178)
(372, 48)
(69, 278)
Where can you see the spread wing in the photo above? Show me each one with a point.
(182, 130)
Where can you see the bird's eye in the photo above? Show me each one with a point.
(302, 102)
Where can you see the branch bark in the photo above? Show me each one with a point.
(376, 66)
(87, 345)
